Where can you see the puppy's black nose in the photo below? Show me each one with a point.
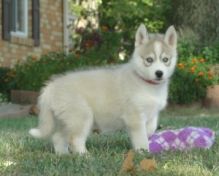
(159, 74)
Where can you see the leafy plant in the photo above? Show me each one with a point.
(6, 83)
(190, 81)
(187, 43)
(32, 74)
(211, 53)
(118, 21)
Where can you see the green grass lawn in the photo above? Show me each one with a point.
(22, 155)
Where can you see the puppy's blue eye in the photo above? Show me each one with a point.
(149, 59)
(165, 59)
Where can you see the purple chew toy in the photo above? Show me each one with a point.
(181, 139)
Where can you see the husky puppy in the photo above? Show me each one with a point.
(127, 96)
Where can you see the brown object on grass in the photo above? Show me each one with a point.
(148, 165)
(34, 110)
(128, 164)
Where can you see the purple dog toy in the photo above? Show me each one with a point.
(181, 139)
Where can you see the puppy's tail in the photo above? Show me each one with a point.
(46, 119)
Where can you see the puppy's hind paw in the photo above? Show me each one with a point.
(35, 133)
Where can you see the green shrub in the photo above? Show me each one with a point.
(187, 43)
(190, 81)
(185, 49)
(126, 15)
(211, 53)
(6, 82)
(118, 22)
(33, 73)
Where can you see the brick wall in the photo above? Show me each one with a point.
(51, 35)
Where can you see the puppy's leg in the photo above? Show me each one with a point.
(78, 140)
(137, 131)
(60, 143)
(138, 136)
(151, 125)
(78, 122)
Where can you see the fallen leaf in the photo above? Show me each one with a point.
(33, 110)
(128, 164)
(148, 165)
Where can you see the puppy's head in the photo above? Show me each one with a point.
(155, 56)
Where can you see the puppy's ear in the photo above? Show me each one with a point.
(171, 37)
(141, 36)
